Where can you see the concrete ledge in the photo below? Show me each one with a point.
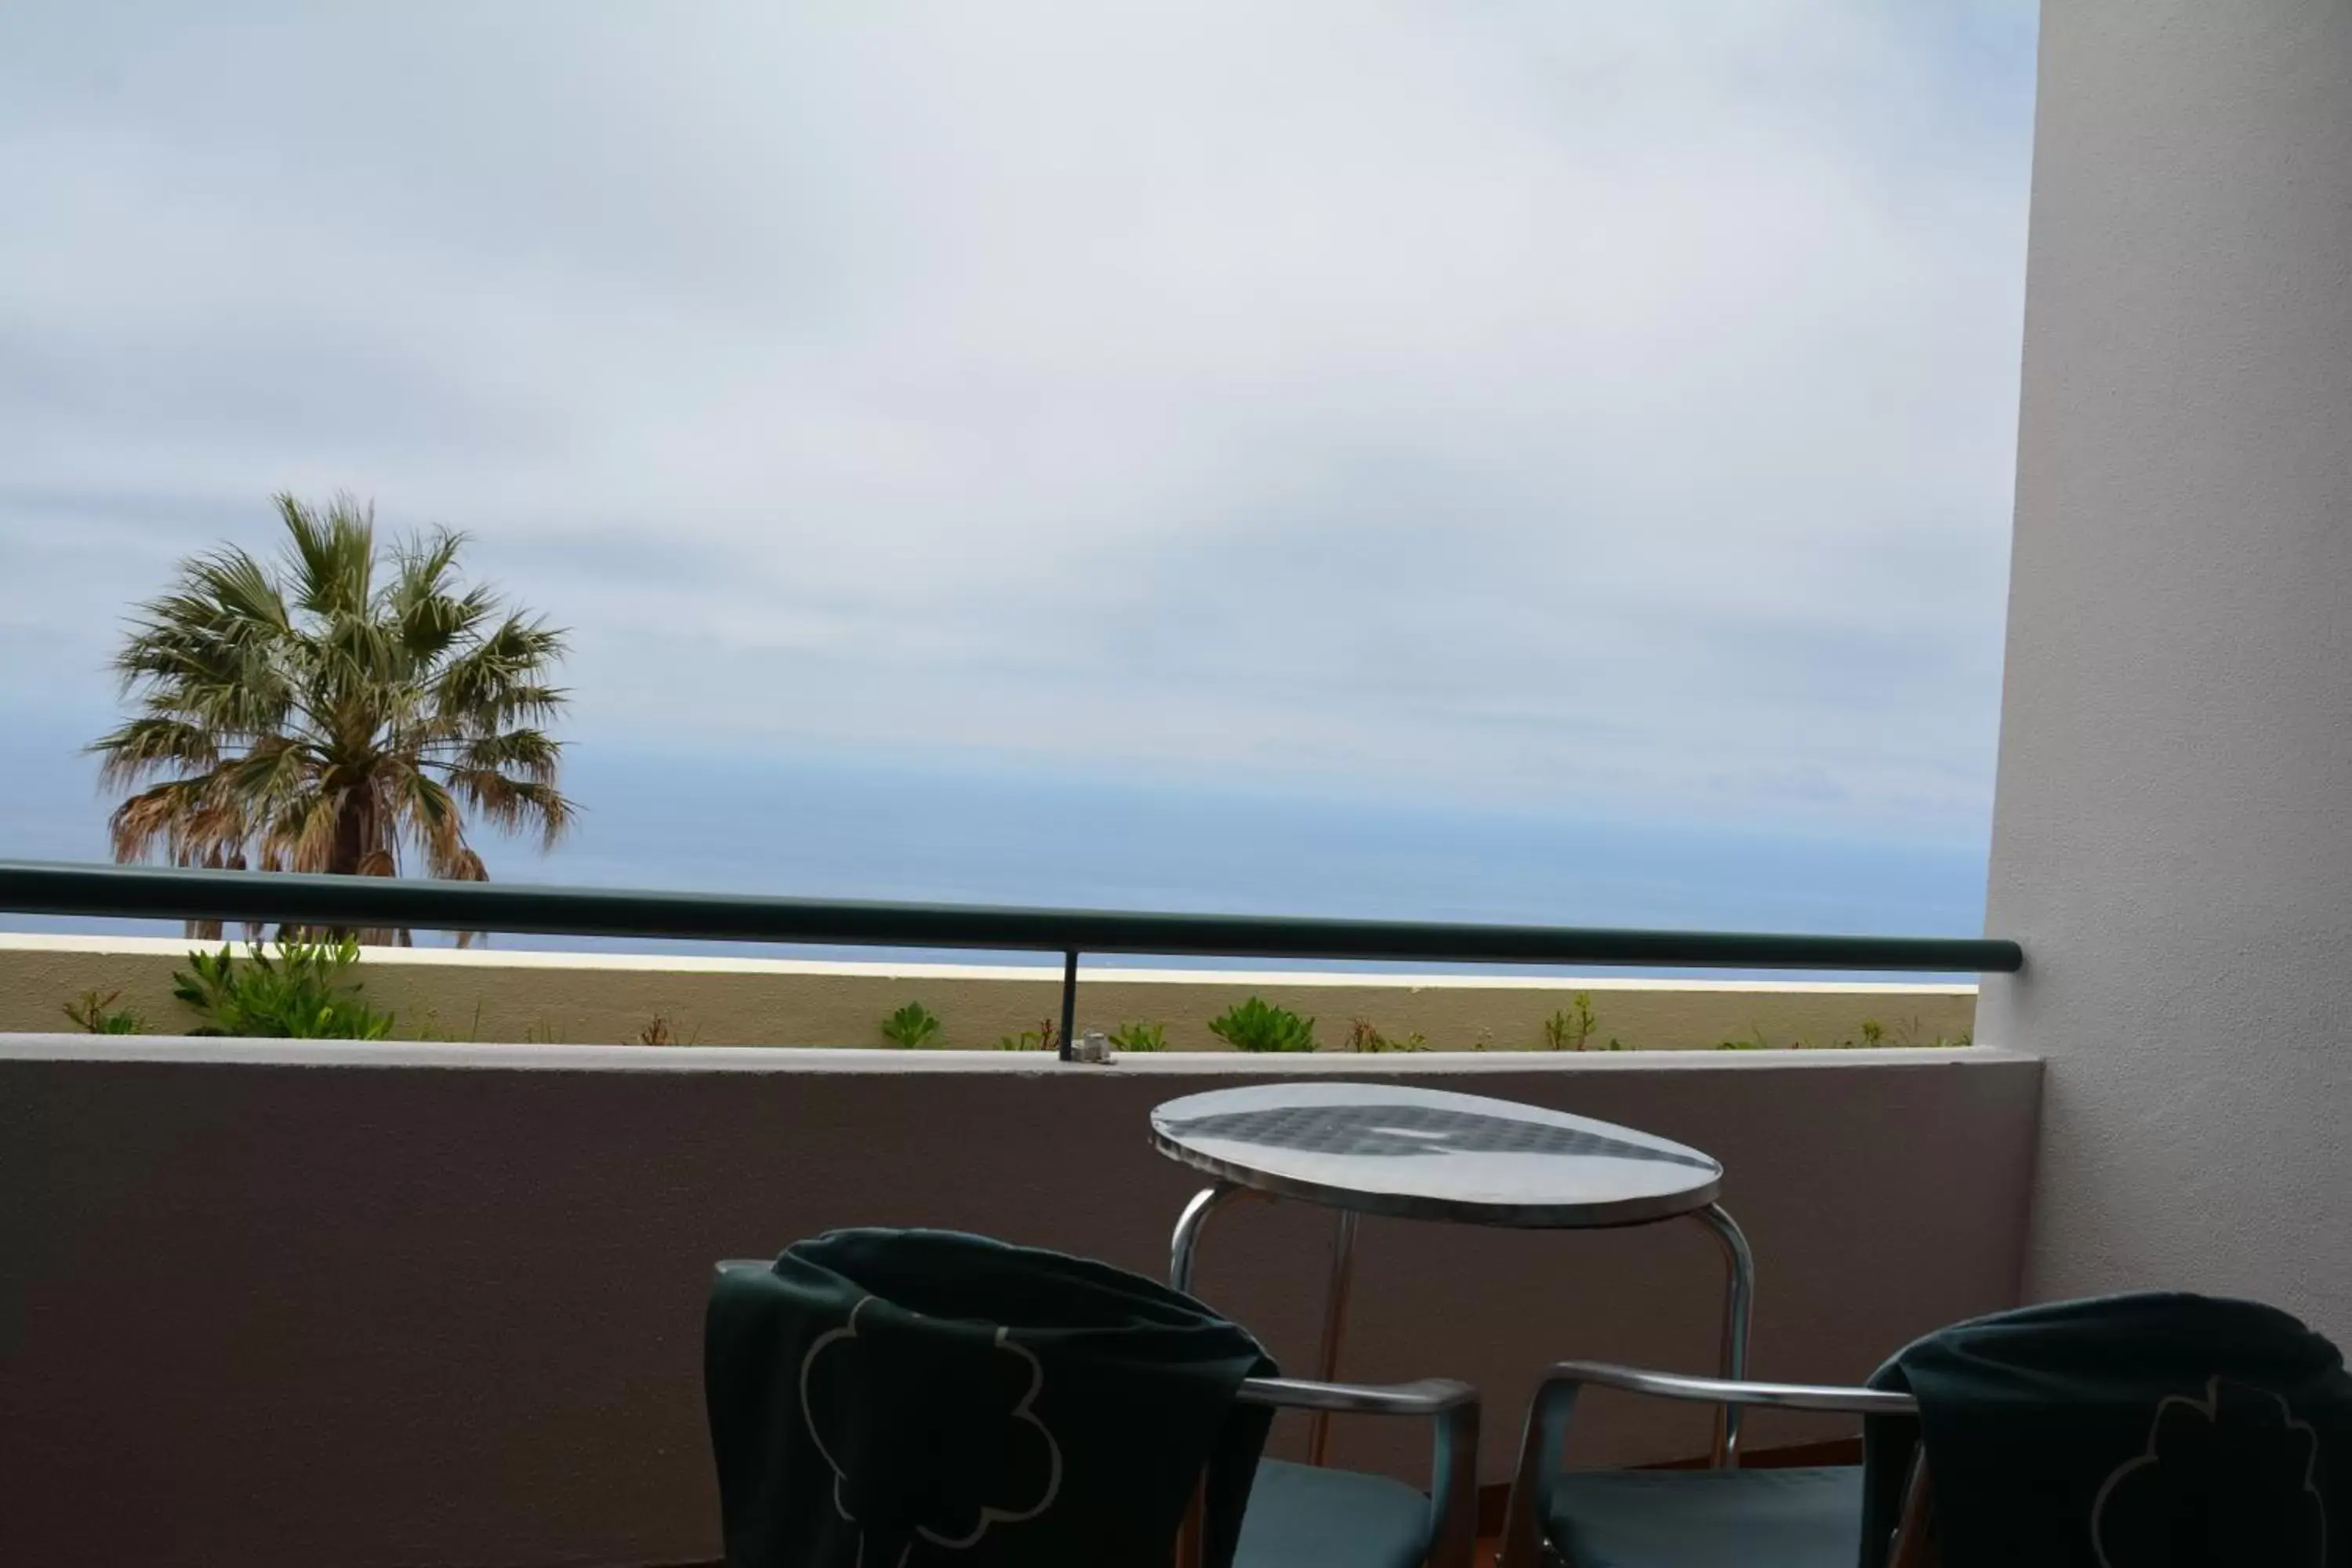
(188, 1049)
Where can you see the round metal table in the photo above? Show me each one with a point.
(1420, 1153)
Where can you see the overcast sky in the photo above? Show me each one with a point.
(1556, 407)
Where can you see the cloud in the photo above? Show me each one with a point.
(1513, 404)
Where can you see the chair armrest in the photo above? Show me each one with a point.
(1430, 1396)
(1453, 1463)
(1554, 1401)
(1565, 1379)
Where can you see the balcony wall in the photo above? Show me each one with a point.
(271, 1303)
(606, 998)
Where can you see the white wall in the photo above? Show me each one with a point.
(2173, 833)
(273, 1305)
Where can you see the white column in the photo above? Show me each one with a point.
(2173, 830)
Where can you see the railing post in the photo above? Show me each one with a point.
(1069, 1000)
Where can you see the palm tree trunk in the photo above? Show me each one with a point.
(353, 838)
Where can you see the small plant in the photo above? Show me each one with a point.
(662, 1030)
(1874, 1033)
(98, 1015)
(1257, 1025)
(300, 993)
(1363, 1036)
(1045, 1037)
(913, 1027)
(1140, 1037)
(1571, 1029)
(1755, 1042)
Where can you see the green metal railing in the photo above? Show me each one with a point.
(147, 892)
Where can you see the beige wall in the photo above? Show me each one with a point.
(607, 999)
(276, 1304)
(2169, 839)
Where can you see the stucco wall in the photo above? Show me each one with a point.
(2170, 839)
(602, 998)
(270, 1304)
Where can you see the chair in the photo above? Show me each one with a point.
(758, 1368)
(1722, 1517)
(2156, 1426)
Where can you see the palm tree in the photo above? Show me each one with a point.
(334, 709)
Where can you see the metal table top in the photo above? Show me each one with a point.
(1420, 1153)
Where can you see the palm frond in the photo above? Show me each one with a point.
(515, 805)
(425, 812)
(270, 774)
(301, 830)
(465, 867)
(427, 614)
(531, 752)
(149, 744)
(331, 555)
(188, 818)
(501, 679)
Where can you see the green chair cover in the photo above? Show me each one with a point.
(891, 1399)
(2154, 1430)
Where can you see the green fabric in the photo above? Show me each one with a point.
(2145, 1431)
(1301, 1516)
(879, 1398)
(1708, 1519)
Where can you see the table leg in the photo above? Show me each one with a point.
(1334, 1328)
(1738, 1315)
(1189, 1225)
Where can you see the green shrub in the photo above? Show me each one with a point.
(913, 1025)
(300, 993)
(1363, 1036)
(98, 1015)
(1140, 1036)
(1256, 1026)
(1571, 1030)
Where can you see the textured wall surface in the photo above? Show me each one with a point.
(598, 998)
(270, 1304)
(2171, 841)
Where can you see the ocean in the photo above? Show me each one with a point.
(934, 832)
